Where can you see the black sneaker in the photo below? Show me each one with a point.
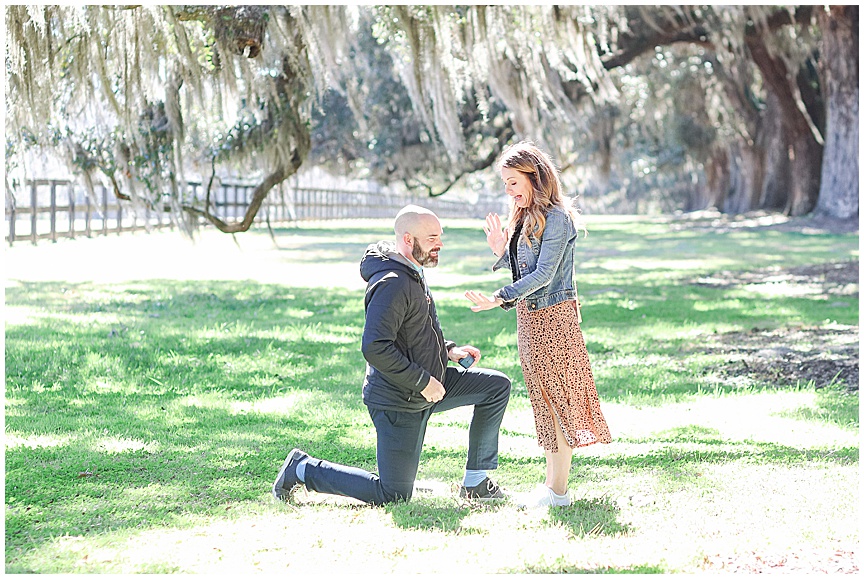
(286, 481)
(488, 490)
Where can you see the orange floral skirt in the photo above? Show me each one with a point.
(558, 376)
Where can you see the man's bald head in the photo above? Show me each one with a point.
(410, 218)
(418, 235)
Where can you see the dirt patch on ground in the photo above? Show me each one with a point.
(791, 355)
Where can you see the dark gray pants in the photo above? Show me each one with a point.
(401, 434)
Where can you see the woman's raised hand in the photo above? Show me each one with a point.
(495, 235)
(482, 302)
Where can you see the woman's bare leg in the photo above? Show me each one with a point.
(558, 463)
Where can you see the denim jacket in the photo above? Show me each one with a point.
(546, 266)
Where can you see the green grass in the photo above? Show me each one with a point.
(146, 418)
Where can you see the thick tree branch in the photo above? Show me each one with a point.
(258, 196)
(117, 193)
(503, 137)
(428, 188)
(639, 45)
(776, 76)
(691, 31)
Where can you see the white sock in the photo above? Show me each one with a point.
(301, 470)
(560, 500)
(473, 477)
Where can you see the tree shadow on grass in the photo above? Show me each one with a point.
(434, 514)
(590, 517)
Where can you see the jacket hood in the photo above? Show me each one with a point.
(382, 256)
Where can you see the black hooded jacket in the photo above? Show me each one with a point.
(402, 339)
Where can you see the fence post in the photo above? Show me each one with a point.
(54, 211)
(119, 216)
(241, 201)
(193, 192)
(229, 204)
(12, 218)
(69, 189)
(87, 214)
(104, 210)
(157, 209)
(226, 202)
(33, 201)
(236, 188)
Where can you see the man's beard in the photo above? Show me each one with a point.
(424, 258)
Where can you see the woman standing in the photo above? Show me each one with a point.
(539, 249)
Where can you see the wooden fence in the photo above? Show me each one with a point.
(53, 209)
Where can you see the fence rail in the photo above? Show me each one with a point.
(56, 208)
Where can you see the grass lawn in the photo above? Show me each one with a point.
(153, 388)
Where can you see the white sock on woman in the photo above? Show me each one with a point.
(560, 500)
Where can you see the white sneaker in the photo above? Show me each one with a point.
(542, 497)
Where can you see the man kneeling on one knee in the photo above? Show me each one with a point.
(408, 379)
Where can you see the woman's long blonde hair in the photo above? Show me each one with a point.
(535, 164)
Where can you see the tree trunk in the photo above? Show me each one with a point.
(716, 180)
(746, 171)
(805, 152)
(758, 174)
(777, 184)
(838, 194)
(749, 159)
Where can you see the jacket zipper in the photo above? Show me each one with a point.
(432, 325)
(440, 346)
